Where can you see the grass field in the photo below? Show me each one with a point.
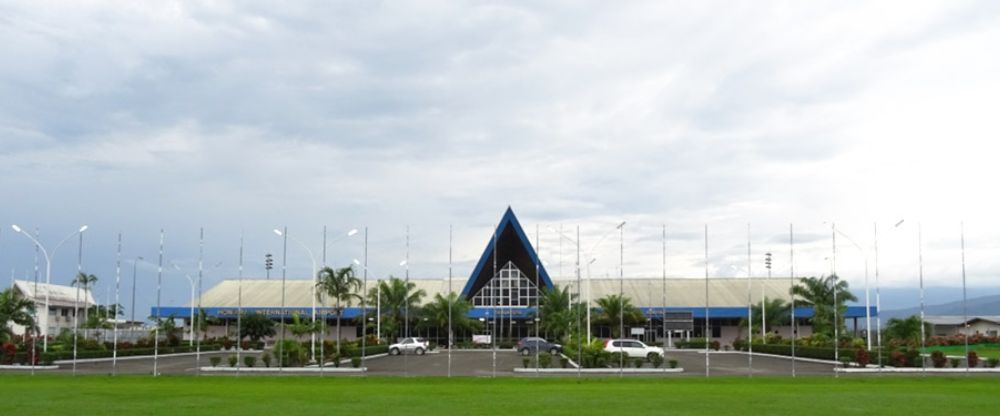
(982, 350)
(145, 396)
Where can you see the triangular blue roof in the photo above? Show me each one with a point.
(513, 245)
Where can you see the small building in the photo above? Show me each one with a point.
(948, 325)
(64, 303)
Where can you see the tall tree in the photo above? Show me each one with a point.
(17, 310)
(559, 311)
(778, 313)
(435, 314)
(256, 326)
(342, 286)
(86, 282)
(397, 296)
(616, 309)
(301, 327)
(906, 330)
(818, 292)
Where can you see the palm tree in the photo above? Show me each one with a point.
(906, 330)
(397, 296)
(86, 281)
(559, 311)
(818, 292)
(168, 327)
(341, 285)
(302, 327)
(615, 309)
(15, 309)
(778, 313)
(435, 314)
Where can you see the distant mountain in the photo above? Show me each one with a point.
(982, 305)
(909, 297)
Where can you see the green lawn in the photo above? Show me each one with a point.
(982, 350)
(145, 396)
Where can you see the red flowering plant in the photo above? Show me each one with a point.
(7, 353)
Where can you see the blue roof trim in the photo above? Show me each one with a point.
(508, 220)
(480, 312)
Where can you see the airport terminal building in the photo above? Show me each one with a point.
(503, 289)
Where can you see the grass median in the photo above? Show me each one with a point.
(185, 395)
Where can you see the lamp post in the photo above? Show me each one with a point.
(135, 262)
(868, 315)
(589, 255)
(48, 274)
(312, 259)
(191, 282)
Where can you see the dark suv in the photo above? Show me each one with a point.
(532, 344)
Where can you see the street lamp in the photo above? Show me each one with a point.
(587, 254)
(279, 233)
(868, 315)
(48, 273)
(191, 325)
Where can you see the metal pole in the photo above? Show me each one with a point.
(493, 331)
(920, 261)
(621, 292)
(707, 333)
(791, 278)
(201, 257)
(284, 277)
(118, 281)
(135, 263)
(965, 306)
(663, 316)
(406, 303)
(364, 304)
(239, 306)
(76, 306)
(451, 337)
(579, 352)
(750, 308)
(538, 309)
(878, 303)
(836, 320)
(156, 330)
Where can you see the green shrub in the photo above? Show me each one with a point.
(526, 362)
(233, 361)
(266, 358)
(955, 362)
(992, 362)
(673, 363)
(938, 359)
(545, 360)
(564, 362)
(637, 363)
(616, 360)
(290, 353)
(215, 360)
(656, 360)
(47, 358)
(249, 360)
(356, 362)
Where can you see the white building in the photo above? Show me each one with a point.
(64, 302)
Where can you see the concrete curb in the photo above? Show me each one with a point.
(787, 357)
(28, 367)
(285, 370)
(916, 370)
(139, 357)
(600, 370)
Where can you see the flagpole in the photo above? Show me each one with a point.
(791, 278)
(118, 279)
(707, 333)
(750, 308)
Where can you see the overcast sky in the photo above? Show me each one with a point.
(236, 116)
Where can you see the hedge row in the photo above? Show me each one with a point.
(800, 351)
